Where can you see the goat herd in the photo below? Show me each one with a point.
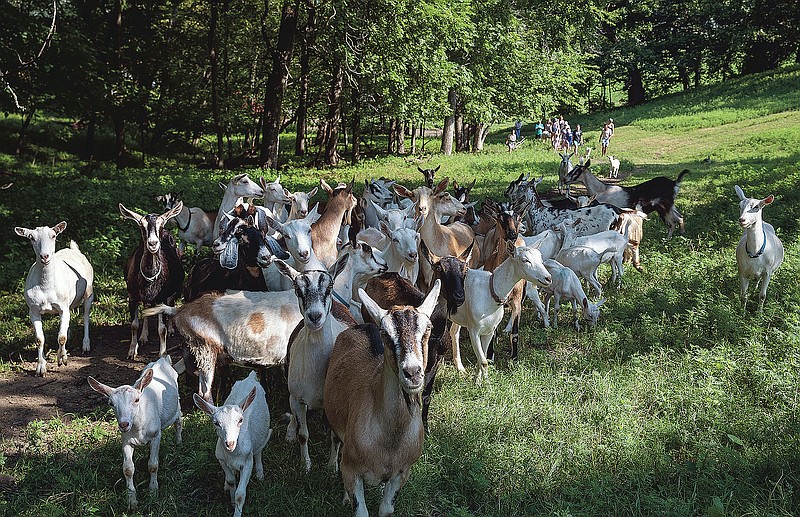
(357, 298)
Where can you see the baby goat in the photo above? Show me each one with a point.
(143, 411)
(566, 286)
(57, 282)
(372, 399)
(243, 431)
(759, 252)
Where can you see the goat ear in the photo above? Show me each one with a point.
(587, 164)
(420, 169)
(376, 311)
(222, 186)
(471, 185)
(378, 208)
(338, 266)
(466, 255)
(739, 192)
(286, 270)
(129, 214)
(401, 191)
(144, 380)
(60, 227)
(172, 212)
(351, 185)
(437, 168)
(586, 303)
(327, 188)
(600, 302)
(249, 400)
(99, 387)
(441, 186)
(766, 201)
(312, 192)
(203, 404)
(22, 232)
(429, 304)
(384, 228)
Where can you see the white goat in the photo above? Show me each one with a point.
(243, 431)
(759, 252)
(195, 225)
(613, 171)
(56, 283)
(299, 208)
(365, 262)
(566, 286)
(239, 186)
(481, 312)
(372, 399)
(401, 254)
(276, 197)
(601, 243)
(143, 411)
(310, 347)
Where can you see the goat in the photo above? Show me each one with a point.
(583, 260)
(153, 273)
(402, 254)
(56, 283)
(143, 411)
(567, 286)
(250, 328)
(655, 195)
(325, 232)
(195, 225)
(429, 175)
(481, 312)
(243, 251)
(375, 376)
(240, 186)
(365, 263)
(600, 242)
(275, 197)
(563, 170)
(760, 251)
(242, 425)
(299, 206)
(613, 171)
(376, 191)
(389, 290)
(311, 346)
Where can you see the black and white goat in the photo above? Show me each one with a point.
(655, 195)
(153, 273)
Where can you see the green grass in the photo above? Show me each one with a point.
(676, 404)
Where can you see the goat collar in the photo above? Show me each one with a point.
(187, 222)
(496, 298)
(340, 299)
(151, 279)
(759, 252)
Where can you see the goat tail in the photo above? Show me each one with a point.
(680, 176)
(160, 309)
(610, 249)
(74, 246)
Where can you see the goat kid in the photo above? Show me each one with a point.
(760, 251)
(372, 399)
(566, 286)
(143, 411)
(242, 425)
(56, 283)
(195, 225)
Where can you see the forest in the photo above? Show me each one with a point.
(219, 81)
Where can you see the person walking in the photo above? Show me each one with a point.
(518, 129)
(538, 129)
(605, 137)
(577, 137)
(511, 141)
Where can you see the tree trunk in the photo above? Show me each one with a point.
(23, 131)
(117, 112)
(449, 124)
(334, 114)
(356, 127)
(401, 137)
(392, 135)
(461, 132)
(212, 54)
(276, 85)
(413, 137)
(305, 71)
(636, 93)
(479, 138)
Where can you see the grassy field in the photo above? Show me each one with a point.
(676, 404)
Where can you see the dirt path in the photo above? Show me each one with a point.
(64, 390)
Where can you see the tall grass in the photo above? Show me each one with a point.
(676, 404)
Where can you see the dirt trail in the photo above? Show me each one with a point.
(64, 390)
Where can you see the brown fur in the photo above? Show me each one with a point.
(256, 322)
(325, 231)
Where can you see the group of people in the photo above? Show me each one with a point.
(562, 137)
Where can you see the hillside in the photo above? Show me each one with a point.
(676, 404)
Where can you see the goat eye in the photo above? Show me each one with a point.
(241, 420)
(136, 401)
